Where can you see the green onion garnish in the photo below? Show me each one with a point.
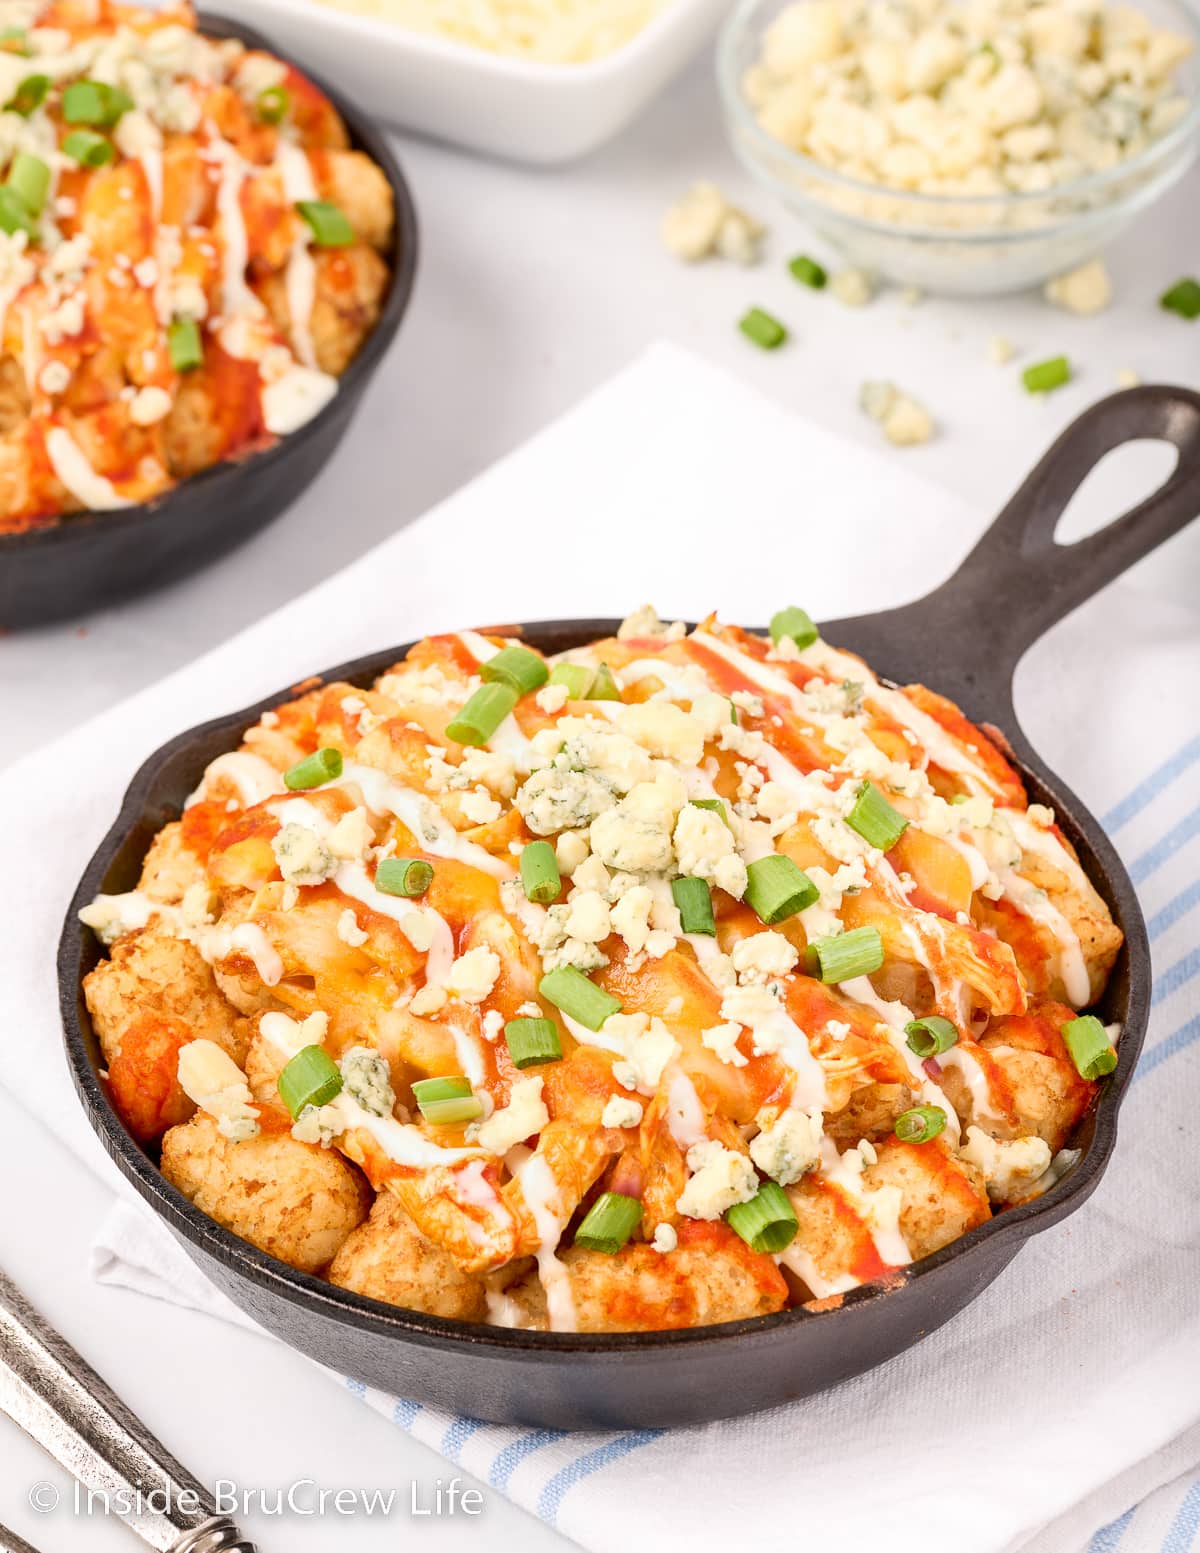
(94, 102)
(482, 715)
(531, 1041)
(447, 1101)
(762, 329)
(273, 104)
(808, 272)
(185, 344)
(1182, 298)
(314, 770)
(776, 889)
(604, 687)
(29, 177)
(407, 876)
(87, 148)
(540, 878)
(846, 955)
(14, 40)
(875, 820)
(796, 623)
(920, 1124)
(694, 899)
(577, 677)
(579, 998)
(717, 805)
(14, 213)
(330, 226)
(610, 1221)
(1043, 376)
(29, 95)
(516, 667)
(310, 1078)
(930, 1037)
(1091, 1050)
(767, 1222)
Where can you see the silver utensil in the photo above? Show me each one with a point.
(59, 1401)
(11, 1543)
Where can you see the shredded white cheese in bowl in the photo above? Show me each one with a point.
(556, 32)
(967, 146)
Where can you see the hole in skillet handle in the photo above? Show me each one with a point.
(94, 558)
(157, 794)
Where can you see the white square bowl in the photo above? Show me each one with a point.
(517, 108)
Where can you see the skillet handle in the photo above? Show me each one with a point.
(1018, 581)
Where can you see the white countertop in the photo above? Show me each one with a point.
(533, 288)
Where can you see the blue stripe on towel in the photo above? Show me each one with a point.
(1150, 787)
(1176, 976)
(1165, 848)
(1187, 1035)
(1108, 1538)
(404, 1413)
(1170, 914)
(583, 1466)
(513, 1454)
(1182, 1534)
(459, 1432)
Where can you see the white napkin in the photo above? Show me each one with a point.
(1070, 1390)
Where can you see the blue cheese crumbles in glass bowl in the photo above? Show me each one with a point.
(969, 146)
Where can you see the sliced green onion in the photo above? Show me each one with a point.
(87, 148)
(796, 623)
(185, 344)
(330, 226)
(29, 95)
(1043, 376)
(694, 899)
(94, 102)
(1091, 1050)
(14, 36)
(580, 999)
(407, 876)
(540, 878)
(29, 177)
(762, 329)
(610, 1221)
(482, 715)
(808, 272)
(577, 677)
(604, 687)
(875, 820)
(1182, 298)
(846, 955)
(516, 667)
(777, 889)
(310, 1078)
(767, 1222)
(447, 1101)
(273, 104)
(531, 1041)
(314, 770)
(920, 1124)
(930, 1037)
(717, 805)
(14, 213)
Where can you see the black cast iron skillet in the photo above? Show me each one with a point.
(965, 639)
(93, 558)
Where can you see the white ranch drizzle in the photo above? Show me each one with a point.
(72, 468)
(249, 937)
(685, 1115)
(236, 296)
(383, 795)
(879, 1209)
(254, 778)
(974, 1076)
(543, 1199)
(300, 283)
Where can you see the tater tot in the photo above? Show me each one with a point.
(388, 1259)
(295, 1201)
(352, 181)
(171, 867)
(152, 972)
(942, 1197)
(351, 285)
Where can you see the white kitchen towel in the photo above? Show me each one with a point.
(1071, 1389)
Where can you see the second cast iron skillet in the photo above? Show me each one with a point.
(94, 558)
(965, 639)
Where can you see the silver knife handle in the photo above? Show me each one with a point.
(60, 1401)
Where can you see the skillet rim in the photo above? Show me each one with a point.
(212, 483)
(1096, 1137)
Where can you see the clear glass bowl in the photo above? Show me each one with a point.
(958, 244)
